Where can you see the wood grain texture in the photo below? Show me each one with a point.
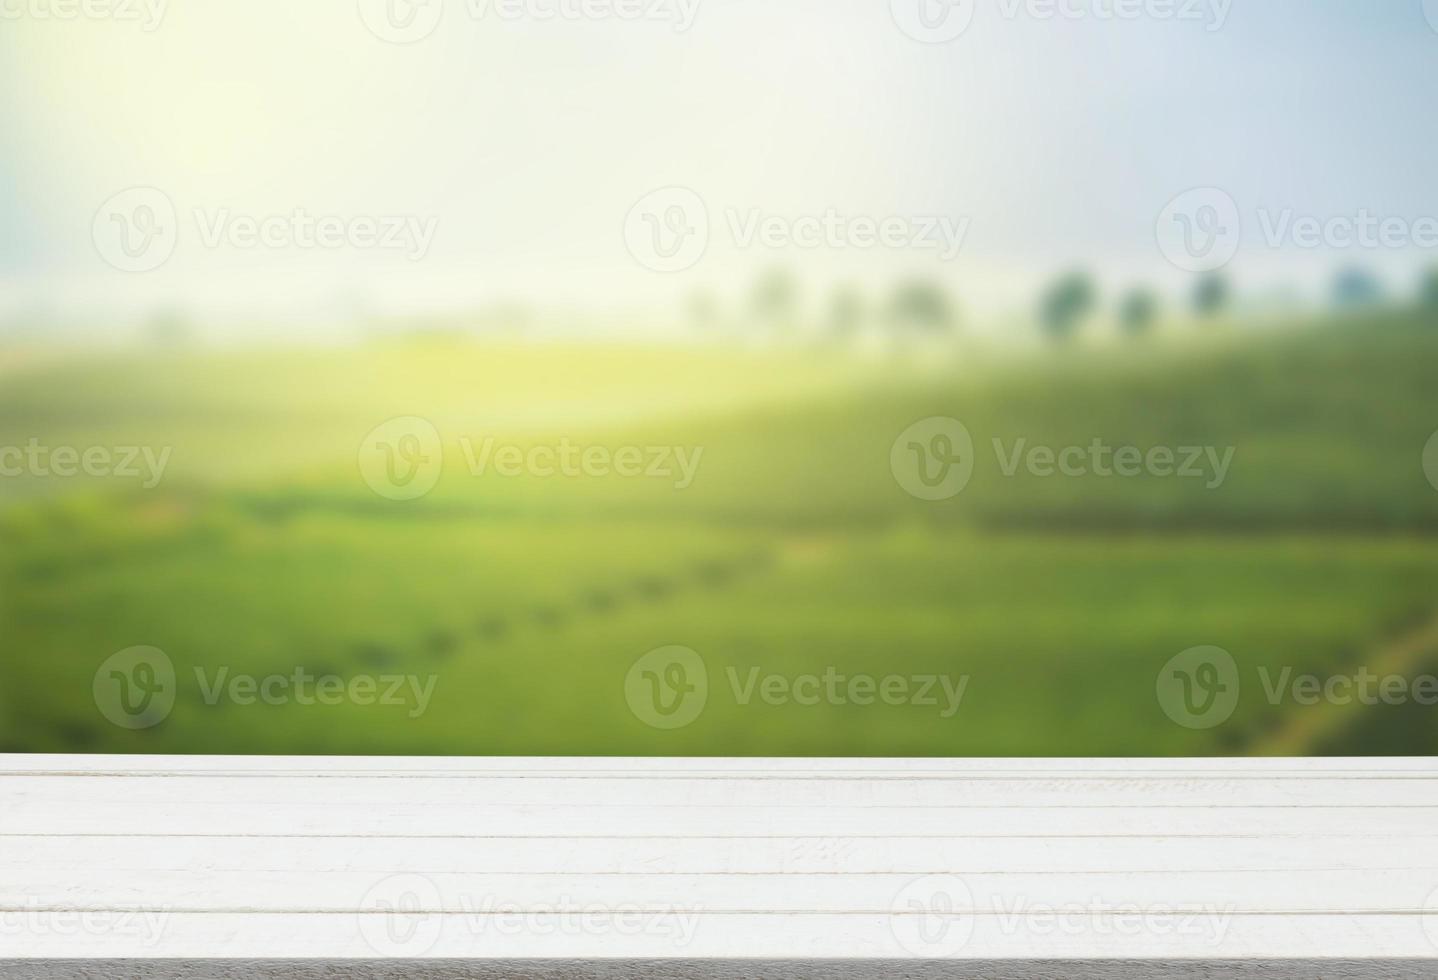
(699, 867)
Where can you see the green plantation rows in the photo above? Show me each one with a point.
(830, 611)
(528, 631)
(1318, 430)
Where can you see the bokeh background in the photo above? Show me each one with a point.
(1206, 225)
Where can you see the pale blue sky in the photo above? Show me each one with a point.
(528, 141)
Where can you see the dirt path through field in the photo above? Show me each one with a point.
(1305, 730)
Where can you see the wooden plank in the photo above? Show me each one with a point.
(332, 937)
(786, 769)
(718, 855)
(731, 859)
(957, 791)
(303, 892)
(38, 816)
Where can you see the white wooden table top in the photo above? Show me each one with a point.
(695, 859)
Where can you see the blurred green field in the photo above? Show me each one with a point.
(795, 551)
